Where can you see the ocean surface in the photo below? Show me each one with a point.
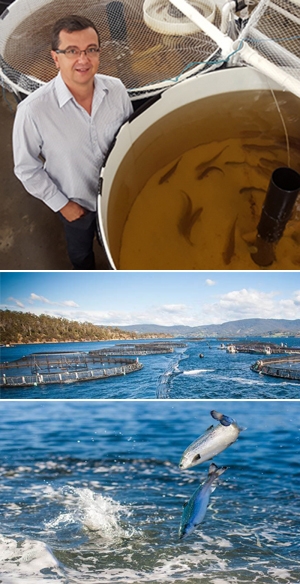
(179, 375)
(91, 493)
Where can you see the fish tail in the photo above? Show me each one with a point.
(224, 420)
(216, 470)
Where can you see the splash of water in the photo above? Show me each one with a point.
(94, 512)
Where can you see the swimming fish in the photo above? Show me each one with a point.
(208, 170)
(203, 165)
(188, 218)
(249, 190)
(271, 164)
(230, 245)
(261, 147)
(212, 442)
(169, 173)
(195, 509)
(263, 171)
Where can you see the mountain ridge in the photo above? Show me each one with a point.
(242, 327)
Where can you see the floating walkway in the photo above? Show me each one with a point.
(283, 367)
(64, 367)
(260, 348)
(157, 348)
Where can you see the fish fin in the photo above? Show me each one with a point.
(224, 420)
(196, 457)
(209, 428)
(212, 468)
(216, 470)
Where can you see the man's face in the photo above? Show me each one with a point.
(77, 71)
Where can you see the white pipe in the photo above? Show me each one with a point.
(227, 9)
(285, 13)
(276, 73)
(273, 48)
(223, 41)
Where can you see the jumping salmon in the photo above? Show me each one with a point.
(212, 442)
(195, 509)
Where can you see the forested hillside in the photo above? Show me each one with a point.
(24, 327)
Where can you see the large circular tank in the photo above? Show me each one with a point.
(184, 185)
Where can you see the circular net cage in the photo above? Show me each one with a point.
(148, 44)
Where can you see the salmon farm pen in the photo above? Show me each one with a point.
(64, 367)
(259, 347)
(157, 348)
(283, 367)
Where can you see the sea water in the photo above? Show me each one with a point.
(178, 375)
(92, 492)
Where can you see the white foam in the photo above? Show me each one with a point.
(23, 560)
(197, 371)
(281, 573)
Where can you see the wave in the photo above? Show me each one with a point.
(22, 560)
(165, 380)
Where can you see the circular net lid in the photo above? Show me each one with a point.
(148, 45)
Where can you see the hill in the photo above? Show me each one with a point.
(24, 327)
(249, 327)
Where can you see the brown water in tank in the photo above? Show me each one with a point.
(201, 210)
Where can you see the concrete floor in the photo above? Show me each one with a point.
(31, 235)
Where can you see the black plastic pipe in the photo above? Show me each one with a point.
(277, 209)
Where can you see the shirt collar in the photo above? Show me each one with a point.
(64, 94)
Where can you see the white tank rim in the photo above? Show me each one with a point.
(156, 17)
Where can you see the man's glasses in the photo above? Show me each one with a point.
(74, 52)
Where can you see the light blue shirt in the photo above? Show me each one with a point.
(50, 124)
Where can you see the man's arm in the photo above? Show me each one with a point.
(29, 168)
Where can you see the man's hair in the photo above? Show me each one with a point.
(70, 23)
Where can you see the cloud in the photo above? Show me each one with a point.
(234, 305)
(35, 297)
(16, 301)
(209, 282)
(174, 308)
(167, 315)
(244, 303)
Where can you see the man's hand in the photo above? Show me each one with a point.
(72, 211)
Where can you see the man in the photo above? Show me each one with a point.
(62, 133)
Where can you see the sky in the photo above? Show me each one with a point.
(163, 298)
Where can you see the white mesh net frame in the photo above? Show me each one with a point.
(285, 71)
(194, 53)
(274, 32)
(17, 11)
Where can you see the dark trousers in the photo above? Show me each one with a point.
(80, 236)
